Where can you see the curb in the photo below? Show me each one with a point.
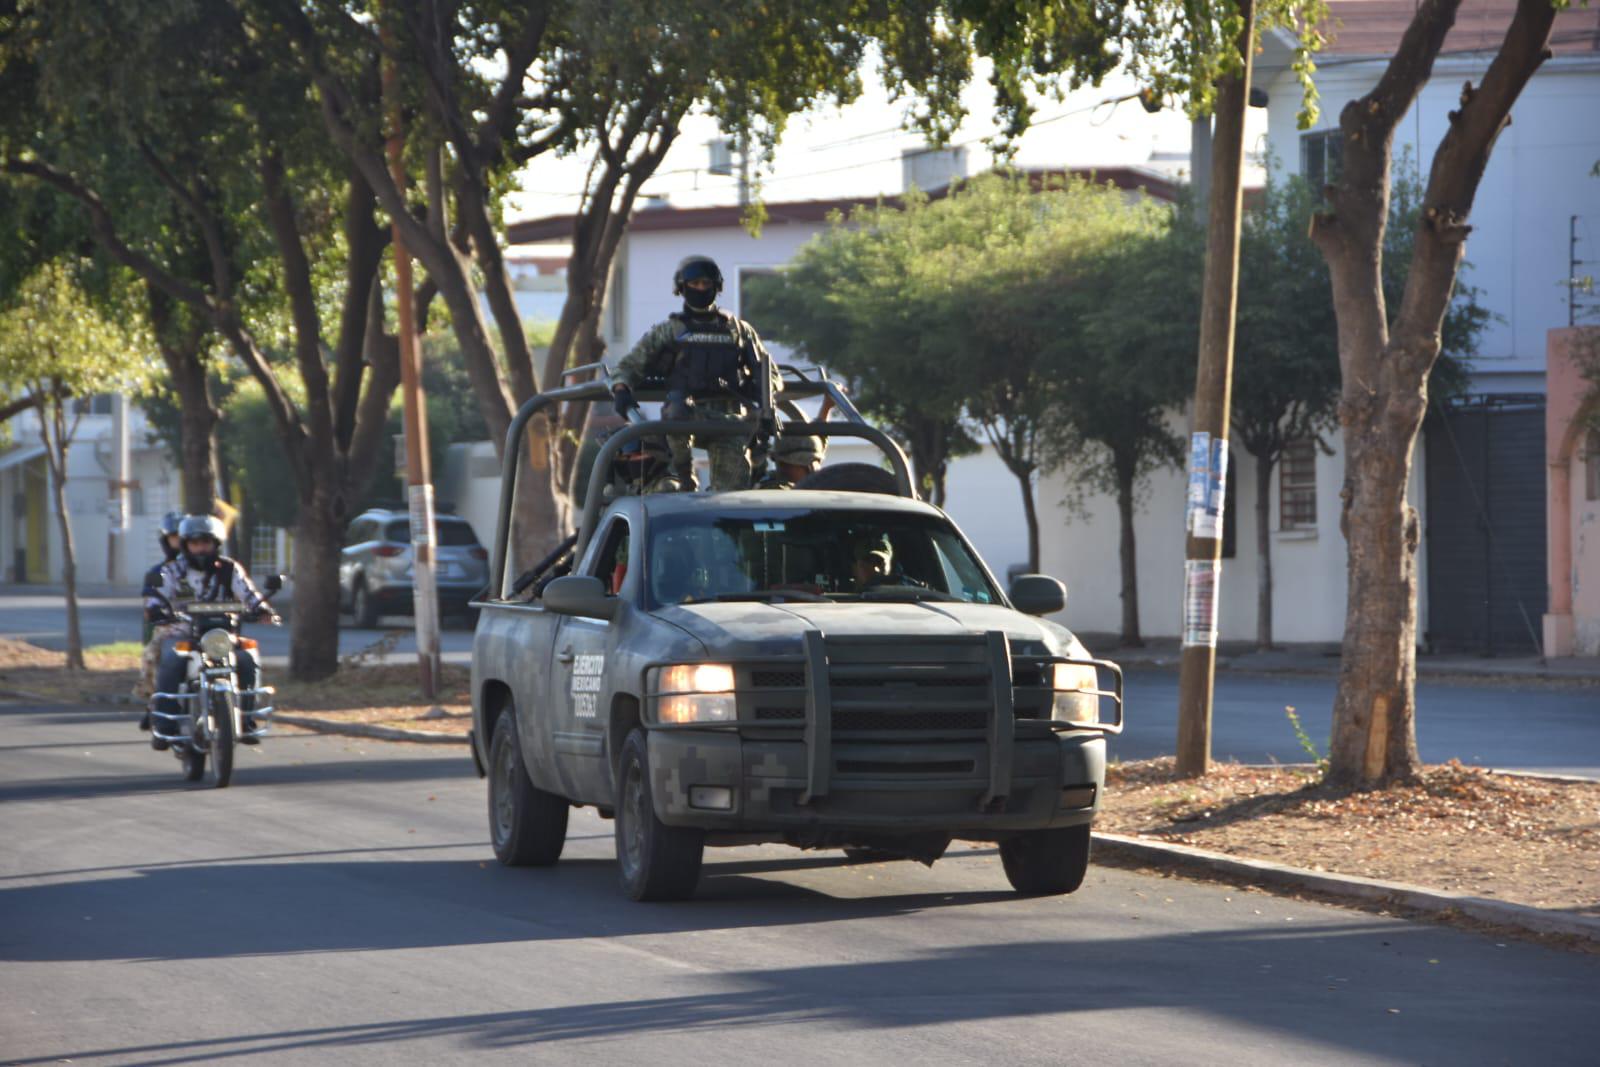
(362, 729)
(1433, 901)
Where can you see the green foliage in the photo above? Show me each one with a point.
(55, 342)
(253, 455)
(1304, 739)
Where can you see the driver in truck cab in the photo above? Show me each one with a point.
(201, 573)
(712, 362)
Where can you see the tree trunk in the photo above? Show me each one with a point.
(1384, 395)
(1131, 638)
(1030, 514)
(1264, 467)
(197, 436)
(314, 626)
(56, 445)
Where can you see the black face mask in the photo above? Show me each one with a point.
(698, 299)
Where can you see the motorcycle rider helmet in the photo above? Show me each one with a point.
(167, 529)
(201, 528)
(697, 268)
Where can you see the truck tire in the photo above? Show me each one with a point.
(656, 861)
(363, 611)
(851, 478)
(1047, 862)
(527, 826)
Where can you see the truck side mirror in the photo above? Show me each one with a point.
(1038, 594)
(274, 583)
(580, 595)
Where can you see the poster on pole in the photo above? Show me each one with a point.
(422, 514)
(1199, 462)
(1207, 520)
(1200, 602)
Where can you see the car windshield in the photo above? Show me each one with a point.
(832, 554)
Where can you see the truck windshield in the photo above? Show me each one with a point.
(833, 554)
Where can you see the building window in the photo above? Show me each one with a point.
(1297, 486)
(1320, 156)
(1591, 467)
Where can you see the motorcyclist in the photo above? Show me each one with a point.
(167, 540)
(712, 361)
(201, 573)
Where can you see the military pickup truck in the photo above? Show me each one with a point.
(822, 667)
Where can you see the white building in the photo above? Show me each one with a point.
(30, 534)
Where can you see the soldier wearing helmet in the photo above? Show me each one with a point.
(712, 362)
(793, 458)
(201, 573)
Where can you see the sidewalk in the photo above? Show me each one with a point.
(1164, 653)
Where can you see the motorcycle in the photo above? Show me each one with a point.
(210, 719)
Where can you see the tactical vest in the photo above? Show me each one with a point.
(708, 356)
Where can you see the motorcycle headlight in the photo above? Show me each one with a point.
(1076, 697)
(216, 644)
(696, 692)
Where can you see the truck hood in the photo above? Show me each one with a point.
(738, 629)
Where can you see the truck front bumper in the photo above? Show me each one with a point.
(717, 780)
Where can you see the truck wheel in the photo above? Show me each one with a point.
(363, 612)
(527, 825)
(1047, 862)
(657, 861)
(851, 478)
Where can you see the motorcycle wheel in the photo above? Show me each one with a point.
(222, 741)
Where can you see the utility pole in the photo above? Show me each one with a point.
(419, 481)
(1208, 443)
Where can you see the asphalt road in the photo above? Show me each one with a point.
(340, 904)
(1533, 727)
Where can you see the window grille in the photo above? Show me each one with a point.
(1297, 486)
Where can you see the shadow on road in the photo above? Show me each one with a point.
(1252, 978)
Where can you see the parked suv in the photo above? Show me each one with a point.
(375, 575)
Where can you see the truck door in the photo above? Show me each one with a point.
(580, 690)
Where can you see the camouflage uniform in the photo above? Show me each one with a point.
(668, 349)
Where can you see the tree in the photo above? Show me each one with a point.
(1286, 364)
(56, 347)
(1385, 359)
(1032, 271)
(1137, 335)
(227, 139)
(856, 300)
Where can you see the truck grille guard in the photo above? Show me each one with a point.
(889, 689)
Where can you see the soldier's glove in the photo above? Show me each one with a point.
(267, 616)
(622, 401)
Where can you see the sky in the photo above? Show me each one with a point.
(856, 151)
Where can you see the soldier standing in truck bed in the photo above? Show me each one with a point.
(712, 362)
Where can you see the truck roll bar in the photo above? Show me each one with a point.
(797, 385)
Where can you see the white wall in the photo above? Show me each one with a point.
(87, 474)
(1538, 177)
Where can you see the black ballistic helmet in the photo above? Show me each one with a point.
(195, 527)
(694, 268)
(170, 522)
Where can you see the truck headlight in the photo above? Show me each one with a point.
(216, 645)
(696, 692)
(1076, 700)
